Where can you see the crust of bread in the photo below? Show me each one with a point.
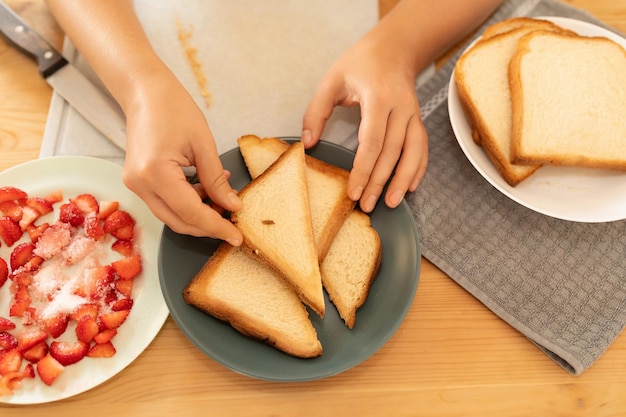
(587, 130)
(521, 22)
(276, 224)
(254, 300)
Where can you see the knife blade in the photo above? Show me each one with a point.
(90, 101)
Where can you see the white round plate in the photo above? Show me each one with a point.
(75, 175)
(567, 193)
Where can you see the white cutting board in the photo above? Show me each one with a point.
(261, 59)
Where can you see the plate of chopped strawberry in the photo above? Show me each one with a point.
(79, 288)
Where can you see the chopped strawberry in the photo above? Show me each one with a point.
(41, 205)
(10, 361)
(87, 328)
(4, 272)
(93, 227)
(102, 350)
(10, 230)
(96, 282)
(54, 197)
(56, 325)
(68, 353)
(105, 336)
(107, 207)
(21, 254)
(49, 369)
(128, 268)
(11, 209)
(36, 353)
(22, 278)
(7, 341)
(35, 232)
(87, 309)
(71, 214)
(87, 203)
(29, 338)
(20, 302)
(117, 220)
(11, 193)
(124, 286)
(114, 319)
(122, 304)
(6, 324)
(123, 247)
(29, 216)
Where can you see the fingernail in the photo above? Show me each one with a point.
(395, 198)
(369, 203)
(234, 199)
(235, 241)
(306, 137)
(355, 194)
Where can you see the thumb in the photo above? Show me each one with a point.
(214, 180)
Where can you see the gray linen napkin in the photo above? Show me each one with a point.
(559, 283)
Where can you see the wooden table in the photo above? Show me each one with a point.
(450, 357)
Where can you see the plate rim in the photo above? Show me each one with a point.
(229, 363)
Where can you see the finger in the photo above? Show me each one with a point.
(318, 112)
(395, 137)
(214, 178)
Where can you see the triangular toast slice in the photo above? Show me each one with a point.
(276, 224)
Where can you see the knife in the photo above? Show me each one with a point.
(95, 105)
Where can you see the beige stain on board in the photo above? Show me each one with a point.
(191, 55)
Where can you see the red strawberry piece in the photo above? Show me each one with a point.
(29, 338)
(87, 328)
(87, 203)
(4, 272)
(69, 213)
(49, 369)
(56, 325)
(10, 361)
(124, 286)
(11, 209)
(107, 207)
(6, 324)
(102, 350)
(128, 268)
(105, 336)
(21, 254)
(29, 216)
(68, 353)
(117, 220)
(36, 353)
(54, 197)
(93, 227)
(97, 282)
(7, 341)
(124, 233)
(20, 302)
(35, 232)
(10, 230)
(122, 304)
(41, 205)
(22, 278)
(123, 247)
(87, 309)
(11, 193)
(114, 319)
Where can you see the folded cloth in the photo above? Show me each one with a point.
(559, 283)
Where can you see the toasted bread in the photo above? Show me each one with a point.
(568, 96)
(276, 224)
(327, 185)
(236, 288)
(351, 265)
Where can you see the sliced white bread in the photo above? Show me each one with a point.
(276, 224)
(481, 76)
(327, 185)
(520, 22)
(236, 288)
(351, 265)
(569, 98)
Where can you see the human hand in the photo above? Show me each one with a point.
(165, 132)
(377, 75)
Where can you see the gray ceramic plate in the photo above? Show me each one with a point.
(391, 295)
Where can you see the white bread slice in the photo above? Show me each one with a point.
(276, 225)
(569, 98)
(521, 22)
(351, 265)
(234, 287)
(327, 185)
(481, 75)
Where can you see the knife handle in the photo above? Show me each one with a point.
(16, 30)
